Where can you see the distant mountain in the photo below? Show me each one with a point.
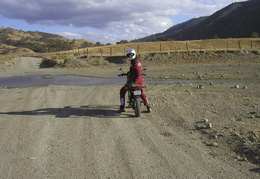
(37, 41)
(171, 31)
(237, 20)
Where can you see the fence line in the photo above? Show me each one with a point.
(168, 46)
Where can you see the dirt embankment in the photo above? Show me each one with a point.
(196, 130)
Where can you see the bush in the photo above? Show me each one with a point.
(255, 35)
(48, 63)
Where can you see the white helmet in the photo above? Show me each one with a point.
(130, 54)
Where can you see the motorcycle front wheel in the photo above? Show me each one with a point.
(137, 107)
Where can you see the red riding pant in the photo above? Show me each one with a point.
(123, 91)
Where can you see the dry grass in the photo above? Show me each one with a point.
(7, 62)
(171, 46)
(172, 65)
(14, 51)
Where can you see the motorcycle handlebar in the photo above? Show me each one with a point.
(124, 74)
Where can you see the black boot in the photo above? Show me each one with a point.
(122, 108)
(149, 109)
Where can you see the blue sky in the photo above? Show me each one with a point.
(105, 21)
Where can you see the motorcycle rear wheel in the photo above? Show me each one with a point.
(137, 107)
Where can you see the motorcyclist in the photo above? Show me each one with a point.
(134, 76)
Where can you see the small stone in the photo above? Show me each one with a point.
(198, 127)
(213, 144)
(237, 134)
(239, 158)
(202, 121)
(200, 87)
(209, 125)
(240, 118)
(205, 120)
(257, 158)
(245, 158)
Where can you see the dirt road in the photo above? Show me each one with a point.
(76, 132)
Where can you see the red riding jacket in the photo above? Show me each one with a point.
(135, 73)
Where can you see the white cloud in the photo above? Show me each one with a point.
(71, 35)
(120, 19)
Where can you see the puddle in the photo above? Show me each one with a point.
(67, 80)
(72, 80)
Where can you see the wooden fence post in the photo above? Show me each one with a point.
(227, 45)
(187, 48)
(101, 52)
(239, 45)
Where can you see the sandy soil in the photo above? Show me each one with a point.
(196, 130)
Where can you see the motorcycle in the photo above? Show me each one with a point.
(134, 94)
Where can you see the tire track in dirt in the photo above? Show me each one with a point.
(63, 134)
(22, 130)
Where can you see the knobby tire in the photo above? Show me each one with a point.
(137, 107)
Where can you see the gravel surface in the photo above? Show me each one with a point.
(196, 130)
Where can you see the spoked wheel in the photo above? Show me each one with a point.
(137, 107)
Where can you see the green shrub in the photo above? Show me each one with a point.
(48, 63)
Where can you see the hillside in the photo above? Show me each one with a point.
(11, 50)
(172, 31)
(36, 41)
(238, 20)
